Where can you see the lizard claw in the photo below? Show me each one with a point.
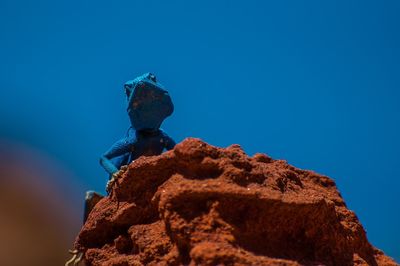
(77, 257)
(110, 184)
(114, 177)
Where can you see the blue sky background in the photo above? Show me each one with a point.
(314, 82)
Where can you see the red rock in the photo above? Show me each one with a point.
(203, 205)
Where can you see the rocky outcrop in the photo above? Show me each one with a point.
(203, 205)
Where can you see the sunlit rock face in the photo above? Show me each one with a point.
(203, 205)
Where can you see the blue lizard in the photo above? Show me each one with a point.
(148, 106)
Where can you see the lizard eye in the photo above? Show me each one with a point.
(152, 78)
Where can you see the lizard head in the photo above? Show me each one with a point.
(148, 102)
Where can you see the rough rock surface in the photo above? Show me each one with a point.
(203, 205)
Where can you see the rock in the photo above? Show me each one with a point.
(203, 205)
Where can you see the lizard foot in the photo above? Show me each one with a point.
(77, 257)
(114, 178)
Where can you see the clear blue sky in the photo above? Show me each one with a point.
(314, 82)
